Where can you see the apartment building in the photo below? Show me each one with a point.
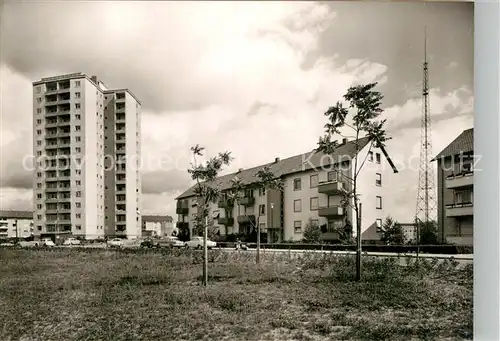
(72, 120)
(157, 225)
(313, 183)
(16, 224)
(455, 187)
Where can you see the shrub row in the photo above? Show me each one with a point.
(432, 249)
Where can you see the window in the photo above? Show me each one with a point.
(39, 217)
(78, 172)
(379, 203)
(314, 202)
(77, 105)
(297, 226)
(78, 116)
(379, 225)
(313, 179)
(262, 209)
(38, 143)
(77, 84)
(38, 121)
(262, 191)
(77, 94)
(297, 205)
(78, 194)
(78, 227)
(39, 132)
(38, 89)
(38, 153)
(78, 204)
(297, 184)
(78, 216)
(39, 196)
(38, 110)
(377, 157)
(39, 185)
(78, 149)
(39, 175)
(78, 182)
(332, 176)
(378, 179)
(39, 100)
(78, 138)
(39, 228)
(370, 156)
(39, 206)
(77, 128)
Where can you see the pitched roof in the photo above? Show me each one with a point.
(295, 164)
(156, 218)
(16, 214)
(464, 143)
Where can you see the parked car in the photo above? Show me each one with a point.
(115, 242)
(175, 242)
(45, 242)
(71, 241)
(147, 243)
(197, 243)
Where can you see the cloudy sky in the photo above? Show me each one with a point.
(251, 78)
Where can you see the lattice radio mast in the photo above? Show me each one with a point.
(426, 196)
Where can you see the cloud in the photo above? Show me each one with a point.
(158, 182)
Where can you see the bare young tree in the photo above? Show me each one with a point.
(363, 108)
(206, 191)
(266, 180)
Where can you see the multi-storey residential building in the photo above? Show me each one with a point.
(70, 120)
(157, 225)
(313, 183)
(455, 187)
(16, 224)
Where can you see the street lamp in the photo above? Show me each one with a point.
(272, 225)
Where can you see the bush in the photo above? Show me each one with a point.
(312, 232)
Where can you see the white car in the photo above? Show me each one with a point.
(197, 243)
(71, 241)
(115, 242)
(45, 242)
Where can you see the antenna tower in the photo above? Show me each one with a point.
(426, 196)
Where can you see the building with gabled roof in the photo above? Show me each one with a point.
(455, 187)
(313, 183)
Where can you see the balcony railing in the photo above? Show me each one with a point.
(460, 209)
(246, 219)
(463, 179)
(331, 187)
(225, 221)
(331, 211)
(247, 201)
(222, 203)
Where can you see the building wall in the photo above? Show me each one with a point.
(457, 230)
(133, 157)
(369, 190)
(8, 228)
(92, 189)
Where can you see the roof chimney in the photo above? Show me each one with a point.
(344, 141)
(94, 79)
(240, 170)
(276, 160)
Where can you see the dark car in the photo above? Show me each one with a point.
(147, 243)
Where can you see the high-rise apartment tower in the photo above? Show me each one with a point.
(86, 146)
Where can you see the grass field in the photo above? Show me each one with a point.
(119, 295)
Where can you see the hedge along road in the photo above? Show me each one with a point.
(461, 259)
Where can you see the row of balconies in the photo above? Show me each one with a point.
(460, 209)
(458, 180)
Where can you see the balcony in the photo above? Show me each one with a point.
(182, 225)
(246, 219)
(331, 211)
(247, 201)
(464, 179)
(459, 209)
(331, 187)
(225, 221)
(460, 240)
(182, 207)
(222, 203)
(51, 190)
